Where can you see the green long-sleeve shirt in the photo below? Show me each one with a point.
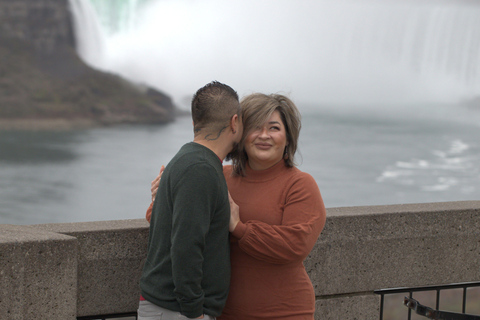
(188, 262)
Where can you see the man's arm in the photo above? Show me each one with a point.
(194, 199)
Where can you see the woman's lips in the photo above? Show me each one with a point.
(263, 146)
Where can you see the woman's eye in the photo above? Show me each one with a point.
(275, 128)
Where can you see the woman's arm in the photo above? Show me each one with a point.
(153, 189)
(303, 219)
(234, 214)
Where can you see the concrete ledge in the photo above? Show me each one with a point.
(38, 274)
(110, 261)
(96, 265)
(366, 248)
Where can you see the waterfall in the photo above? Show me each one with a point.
(90, 40)
(118, 15)
(320, 52)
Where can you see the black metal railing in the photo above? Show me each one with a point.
(411, 303)
(129, 315)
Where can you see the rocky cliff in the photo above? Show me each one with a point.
(43, 81)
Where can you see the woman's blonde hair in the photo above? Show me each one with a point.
(256, 109)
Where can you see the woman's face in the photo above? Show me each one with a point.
(265, 146)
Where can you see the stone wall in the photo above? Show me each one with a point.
(44, 23)
(374, 247)
(59, 271)
(38, 274)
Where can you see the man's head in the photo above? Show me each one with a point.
(213, 107)
(216, 116)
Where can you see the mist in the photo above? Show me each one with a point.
(321, 53)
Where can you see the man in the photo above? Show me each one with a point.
(187, 270)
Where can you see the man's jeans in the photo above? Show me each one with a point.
(150, 311)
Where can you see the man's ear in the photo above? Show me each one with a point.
(234, 123)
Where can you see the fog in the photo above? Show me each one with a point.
(330, 53)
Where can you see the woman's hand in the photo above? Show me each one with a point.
(234, 214)
(155, 183)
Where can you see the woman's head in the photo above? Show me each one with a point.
(270, 122)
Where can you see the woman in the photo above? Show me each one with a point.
(277, 216)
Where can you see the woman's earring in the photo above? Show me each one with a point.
(285, 154)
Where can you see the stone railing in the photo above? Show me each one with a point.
(61, 271)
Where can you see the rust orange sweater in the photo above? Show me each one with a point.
(282, 214)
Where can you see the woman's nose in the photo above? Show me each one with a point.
(263, 133)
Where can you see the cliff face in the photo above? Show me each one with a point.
(45, 24)
(42, 77)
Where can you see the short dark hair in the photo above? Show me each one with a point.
(213, 106)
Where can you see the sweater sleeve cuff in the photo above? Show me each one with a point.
(148, 215)
(239, 230)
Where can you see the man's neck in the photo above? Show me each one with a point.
(219, 147)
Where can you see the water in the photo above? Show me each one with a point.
(380, 85)
(87, 175)
(367, 158)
